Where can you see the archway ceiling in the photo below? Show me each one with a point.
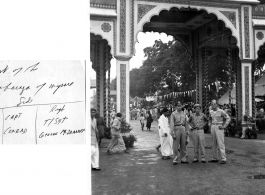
(182, 19)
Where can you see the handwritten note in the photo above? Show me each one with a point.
(42, 102)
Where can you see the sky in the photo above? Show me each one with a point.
(144, 40)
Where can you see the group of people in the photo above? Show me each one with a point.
(176, 127)
(174, 130)
(149, 119)
(116, 143)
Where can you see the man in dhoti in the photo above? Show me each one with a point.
(197, 122)
(179, 133)
(165, 137)
(94, 142)
(218, 121)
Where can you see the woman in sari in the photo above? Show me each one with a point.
(101, 127)
(149, 120)
(116, 143)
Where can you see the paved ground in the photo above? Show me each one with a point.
(143, 172)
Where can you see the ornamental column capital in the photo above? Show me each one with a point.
(123, 58)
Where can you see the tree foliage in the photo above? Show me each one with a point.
(151, 76)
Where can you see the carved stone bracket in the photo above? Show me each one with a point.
(231, 16)
(142, 10)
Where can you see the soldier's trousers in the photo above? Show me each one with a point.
(180, 142)
(198, 140)
(218, 142)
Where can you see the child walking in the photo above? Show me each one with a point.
(142, 121)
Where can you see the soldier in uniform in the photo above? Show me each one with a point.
(218, 121)
(197, 122)
(179, 133)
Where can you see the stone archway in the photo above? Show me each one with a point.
(201, 33)
(129, 16)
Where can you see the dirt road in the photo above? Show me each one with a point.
(143, 172)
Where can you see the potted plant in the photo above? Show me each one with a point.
(132, 140)
(251, 127)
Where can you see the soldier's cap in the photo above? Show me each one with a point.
(178, 104)
(197, 105)
(164, 110)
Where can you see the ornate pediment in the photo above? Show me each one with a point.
(143, 9)
(231, 16)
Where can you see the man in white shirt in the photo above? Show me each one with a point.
(94, 142)
(165, 137)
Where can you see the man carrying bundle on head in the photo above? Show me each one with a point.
(164, 134)
(179, 133)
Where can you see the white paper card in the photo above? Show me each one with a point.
(42, 102)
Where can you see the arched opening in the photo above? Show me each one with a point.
(210, 44)
(260, 61)
(259, 78)
(100, 56)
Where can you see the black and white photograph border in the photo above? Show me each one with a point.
(177, 97)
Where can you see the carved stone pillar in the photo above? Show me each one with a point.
(197, 69)
(239, 86)
(123, 86)
(230, 87)
(200, 77)
(246, 73)
(101, 77)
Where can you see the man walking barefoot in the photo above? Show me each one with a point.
(116, 143)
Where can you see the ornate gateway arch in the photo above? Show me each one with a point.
(232, 29)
